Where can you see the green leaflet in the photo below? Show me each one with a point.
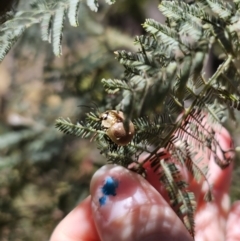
(50, 15)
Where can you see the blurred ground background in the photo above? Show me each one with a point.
(43, 173)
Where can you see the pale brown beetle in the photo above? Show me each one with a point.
(112, 122)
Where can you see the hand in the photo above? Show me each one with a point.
(124, 206)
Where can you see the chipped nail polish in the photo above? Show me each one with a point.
(108, 189)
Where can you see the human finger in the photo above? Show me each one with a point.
(232, 229)
(126, 207)
(211, 217)
(78, 225)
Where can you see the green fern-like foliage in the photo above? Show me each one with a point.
(175, 108)
(50, 15)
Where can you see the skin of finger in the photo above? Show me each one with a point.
(212, 216)
(78, 225)
(134, 211)
(233, 223)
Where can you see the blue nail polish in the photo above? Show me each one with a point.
(109, 188)
(102, 200)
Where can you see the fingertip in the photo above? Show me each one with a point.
(126, 207)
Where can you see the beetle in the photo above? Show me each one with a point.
(113, 122)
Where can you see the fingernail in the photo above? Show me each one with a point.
(126, 207)
(112, 187)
